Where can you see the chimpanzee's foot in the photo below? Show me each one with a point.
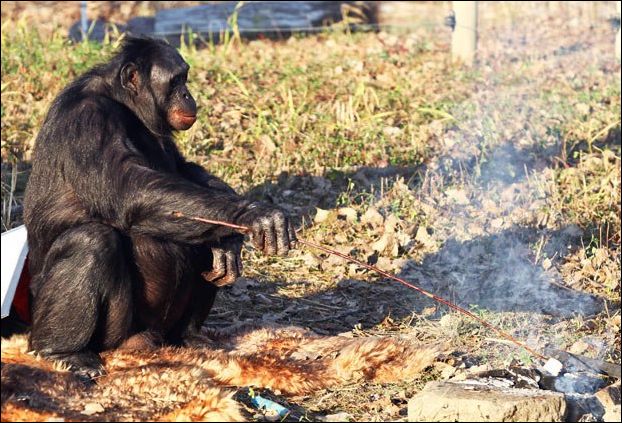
(197, 340)
(87, 365)
(143, 341)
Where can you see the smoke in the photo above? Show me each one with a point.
(499, 252)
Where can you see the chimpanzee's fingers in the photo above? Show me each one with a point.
(257, 236)
(282, 235)
(270, 243)
(219, 266)
(233, 270)
(291, 231)
(240, 265)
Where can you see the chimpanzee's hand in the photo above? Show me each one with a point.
(227, 264)
(271, 230)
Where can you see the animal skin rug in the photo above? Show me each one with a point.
(195, 384)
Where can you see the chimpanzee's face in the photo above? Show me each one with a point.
(158, 92)
(169, 77)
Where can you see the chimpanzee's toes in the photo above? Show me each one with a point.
(87, 365)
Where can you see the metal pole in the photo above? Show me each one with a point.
(618, 35)
(464, 37)
(83, 20)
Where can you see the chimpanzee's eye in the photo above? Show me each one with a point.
(175, 80)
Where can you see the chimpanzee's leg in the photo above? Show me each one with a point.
(204, 282)
(170, 293)
(188, 328)
(83, 303)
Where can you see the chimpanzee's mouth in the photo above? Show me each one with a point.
(188, 119)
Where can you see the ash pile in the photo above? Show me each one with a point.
(568, 387)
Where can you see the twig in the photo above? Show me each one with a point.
(329, 307)
(245, 229)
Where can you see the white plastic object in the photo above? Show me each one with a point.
(14, 252)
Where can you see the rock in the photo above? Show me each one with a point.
(391, 131)
(475, 401)
(613, 415)
(609, 397)
(479, 368)
(578, 382)
(582, 108)
(582, 407)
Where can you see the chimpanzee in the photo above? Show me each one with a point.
(110, 262)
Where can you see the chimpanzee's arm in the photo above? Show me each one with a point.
(197, 174)
(227, 263)
(116, 183)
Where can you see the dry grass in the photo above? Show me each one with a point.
(497, 187)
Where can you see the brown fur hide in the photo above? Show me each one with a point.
(195, 384)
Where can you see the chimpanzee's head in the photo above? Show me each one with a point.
(153, 77)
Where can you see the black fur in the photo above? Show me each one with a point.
(107, 257)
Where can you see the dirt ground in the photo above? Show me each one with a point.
(496, 187)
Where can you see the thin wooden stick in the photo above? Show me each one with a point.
(245, 229)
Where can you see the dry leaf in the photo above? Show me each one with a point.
(310, 260)
(391, 223)
(423, 237)
(458, 196)
(372, 217)
(496, 223)
(321, 215)
(386, 243)
(338, 417)
(265, 145)
(349, 213)
(92, 408)
(340, 238)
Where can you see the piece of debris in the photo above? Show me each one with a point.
(553, 367)
(270, 407)
(521, 377)
(609, 396)
(576, 362)
(476, 400)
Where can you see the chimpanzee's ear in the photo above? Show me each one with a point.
(130, 78)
